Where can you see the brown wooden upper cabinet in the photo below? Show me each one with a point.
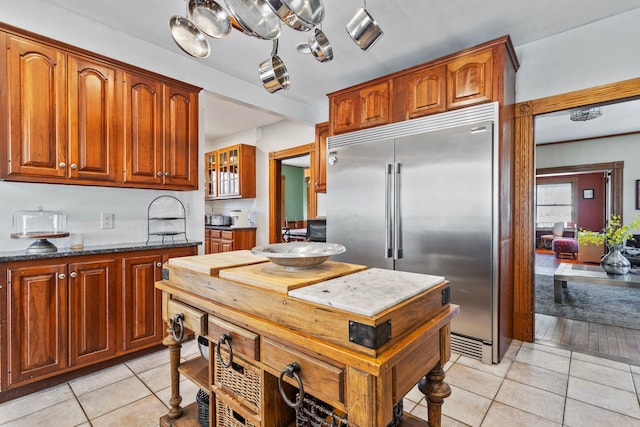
(231, 172)
(469, 79)
(37, 118)
(426, 91)
(79, 118)
(63, 121)
(322, 132)
(160, 126)
(359, 109)
(473, 76)
(211, 175)
(142, 126)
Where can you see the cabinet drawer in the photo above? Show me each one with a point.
(194, 319)
(319, 378)
(243, 342)
(215, 233)
(227, 235)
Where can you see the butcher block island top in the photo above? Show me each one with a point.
(357, 339)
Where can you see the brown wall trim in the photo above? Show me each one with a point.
(275, 184)
(524, 199)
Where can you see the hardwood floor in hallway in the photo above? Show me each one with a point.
(611, 342)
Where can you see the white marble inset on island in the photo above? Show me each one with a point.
(367, 292)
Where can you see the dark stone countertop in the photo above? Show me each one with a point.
(227, 228)
(93, 250)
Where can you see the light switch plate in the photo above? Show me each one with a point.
(106, 221)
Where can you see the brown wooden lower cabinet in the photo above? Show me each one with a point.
(66, 313)
(229, 240)
(92, 288)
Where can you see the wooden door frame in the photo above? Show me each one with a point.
(275, 186)
(524, 188)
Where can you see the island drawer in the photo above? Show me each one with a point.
(243, 342)
(227, 235)
(215, 233)
(194, 319)
(318, 378)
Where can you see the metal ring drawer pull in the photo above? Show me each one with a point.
(291, 371)
(177, 327)
(225, 339)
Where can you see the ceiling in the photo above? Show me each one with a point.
(415, 31)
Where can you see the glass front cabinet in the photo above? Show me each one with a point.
(231, 172)
(211, 168)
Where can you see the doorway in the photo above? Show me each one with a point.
(277, 199)
(524, 210)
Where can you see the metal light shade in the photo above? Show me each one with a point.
(584, 114)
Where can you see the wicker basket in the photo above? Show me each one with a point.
(227, 417)
(242, 380)
(315, 413)
(202, 398)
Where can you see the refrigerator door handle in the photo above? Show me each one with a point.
(388, 231)
(397, 225)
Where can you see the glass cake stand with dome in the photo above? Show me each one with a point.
(40, 225)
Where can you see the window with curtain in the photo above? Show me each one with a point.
(554, 203)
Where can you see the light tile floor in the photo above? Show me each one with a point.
(534, 385)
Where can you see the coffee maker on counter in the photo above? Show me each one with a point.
(239, 219)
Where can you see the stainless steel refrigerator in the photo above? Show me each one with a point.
(420, 196)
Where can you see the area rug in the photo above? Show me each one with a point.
(611, 305)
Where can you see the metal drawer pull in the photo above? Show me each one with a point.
(177, 327)
(225, 339)
(291, 371)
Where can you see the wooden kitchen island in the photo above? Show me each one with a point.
(340, 342)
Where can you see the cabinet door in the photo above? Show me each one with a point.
(180, 154)
(215, 245)
(92, 311)
(207, 242)
(211, 172)
(37, 319)
(37, 96)
(469, 79)
(322, 131)
(228, 177)
(345, 112)
(226, 245)
(142, 320)
(92, 120)
(374, 105)
(426, 92)
(142, 126)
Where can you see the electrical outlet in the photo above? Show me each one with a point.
(106, 220)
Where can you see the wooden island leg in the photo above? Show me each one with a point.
(174, 360)
(436, 390)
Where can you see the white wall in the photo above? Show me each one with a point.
(621, 148)
(275, 137)
(603, 52)
(83, 206)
